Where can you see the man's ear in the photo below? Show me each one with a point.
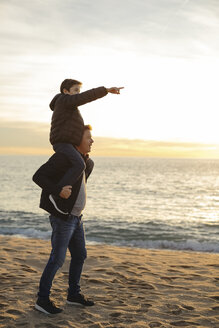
(65, 91)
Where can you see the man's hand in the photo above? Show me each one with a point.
(65, 192)
(115, 90)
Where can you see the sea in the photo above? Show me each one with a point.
(151, 203)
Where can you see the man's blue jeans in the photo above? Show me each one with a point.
(65, 234)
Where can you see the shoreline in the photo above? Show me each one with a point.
(132, 287)
(94, 243)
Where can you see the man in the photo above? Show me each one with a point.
(67, 229)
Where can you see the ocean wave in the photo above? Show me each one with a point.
(29, 233)
(187, 245)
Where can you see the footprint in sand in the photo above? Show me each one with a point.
(27, 268)
(175, 309)
(23, 324)
(216, 297)
(143, 285)
(183, 323)
(144, 307)
(46, 325)
(62, 323)
(214, 265)
(184, 266)
(96, 281)
(155, 324)
(4, 278)
(115, 281)
(3, 305)
(115, 315)
(121, 266)
(19, 259)
(100, 270)
(143, 268)
(167, 278)
(3, 317)
(187, 307)
(3, 297)
(13, 311)
(215, 308)
(95, 325)
(9, 250)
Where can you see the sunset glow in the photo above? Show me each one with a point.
(165, 55)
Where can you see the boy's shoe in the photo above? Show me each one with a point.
(58, 203)
(79, 299)
(47, 307)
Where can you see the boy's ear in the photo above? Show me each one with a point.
(65, 91)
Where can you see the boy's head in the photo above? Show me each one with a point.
(70, 87)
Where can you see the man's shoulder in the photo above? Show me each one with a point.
(59, 157)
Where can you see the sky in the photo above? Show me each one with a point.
(165, 53)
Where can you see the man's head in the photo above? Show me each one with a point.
(70, 87)
(86, 142)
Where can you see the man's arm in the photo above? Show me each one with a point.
(42, 179)
(44, 176)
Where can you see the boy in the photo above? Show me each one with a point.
(67, 128)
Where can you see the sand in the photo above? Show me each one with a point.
(131, 287)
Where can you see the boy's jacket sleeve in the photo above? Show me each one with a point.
(72, 101)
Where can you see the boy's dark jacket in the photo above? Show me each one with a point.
(48, 176)
(67, 123)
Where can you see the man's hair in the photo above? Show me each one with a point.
(87, 127)
(68, 83)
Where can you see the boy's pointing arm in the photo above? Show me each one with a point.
(83, 98)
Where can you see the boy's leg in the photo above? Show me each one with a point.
(61, 235)
(78, 165)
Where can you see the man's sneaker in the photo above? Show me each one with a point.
(47, 307)
(58, 204)
(79, 299)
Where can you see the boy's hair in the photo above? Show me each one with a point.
(68, 83)
(87, 127)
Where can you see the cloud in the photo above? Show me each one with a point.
(32, 138)
(157, 27)
(42, 42)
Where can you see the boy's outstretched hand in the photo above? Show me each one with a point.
(114, 90)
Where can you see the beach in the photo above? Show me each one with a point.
(131, 287)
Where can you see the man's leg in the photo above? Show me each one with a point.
(62, 232)
(78, 255)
